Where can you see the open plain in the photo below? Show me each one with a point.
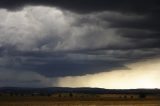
(49, 101)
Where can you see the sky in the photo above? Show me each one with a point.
(112, 44)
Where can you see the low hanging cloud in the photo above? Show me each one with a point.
(45, 42)
(33, 41)
(13, 78)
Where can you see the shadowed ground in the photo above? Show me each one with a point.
(49, 101)
(78, 97)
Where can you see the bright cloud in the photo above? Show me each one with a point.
(138, 75)
(51, 29)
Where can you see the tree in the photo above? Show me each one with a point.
(142, 95)
(70, 94)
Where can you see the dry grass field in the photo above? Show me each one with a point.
(18, 97)
(83, 103)
(49, 101)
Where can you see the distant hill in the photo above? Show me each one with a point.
(76, 90)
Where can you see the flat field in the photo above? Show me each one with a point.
(49, 101)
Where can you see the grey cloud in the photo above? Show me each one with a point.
(34, 32)
(24, 79)
(64, 43)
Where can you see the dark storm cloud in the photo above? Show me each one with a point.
(88, 37)
(150, 23)
(84, 6)
(76, 64)
(57, 63)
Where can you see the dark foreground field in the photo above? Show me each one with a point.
(78, 97)
(83, 103)
(49, 102)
